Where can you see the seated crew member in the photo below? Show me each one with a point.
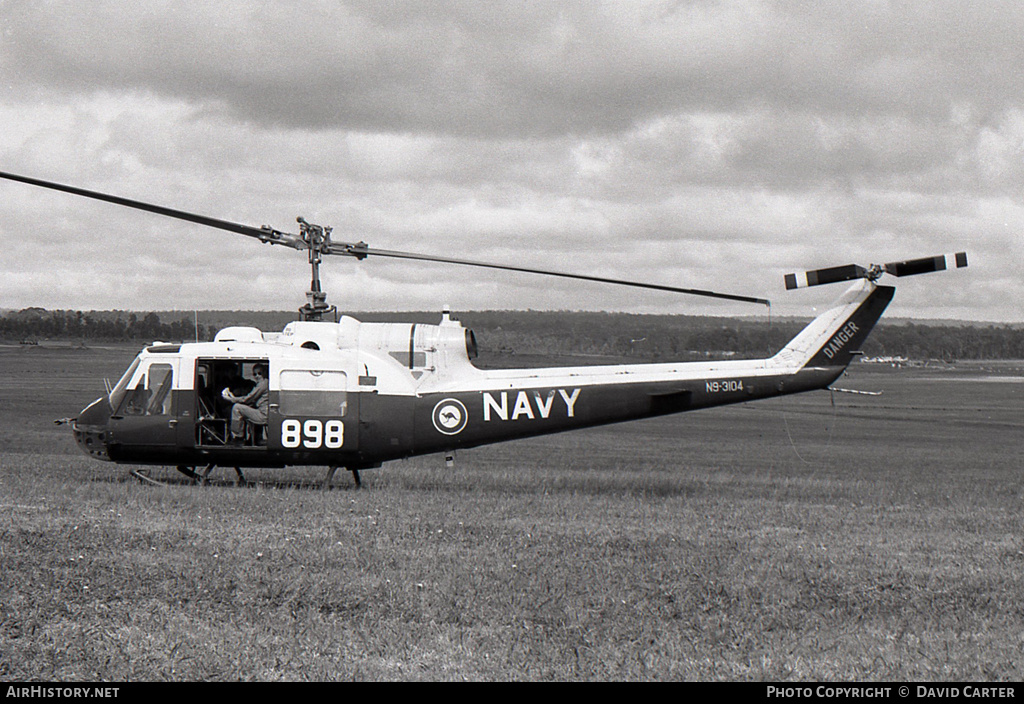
(252, 407)
(230, 374)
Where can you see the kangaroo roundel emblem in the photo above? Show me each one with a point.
(450, 416)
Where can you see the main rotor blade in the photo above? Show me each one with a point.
(360, 251)
(926, 265)
(264, 234)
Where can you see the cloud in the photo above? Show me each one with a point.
(702, 144)
(528, 69)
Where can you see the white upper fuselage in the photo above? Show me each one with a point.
(408, 359)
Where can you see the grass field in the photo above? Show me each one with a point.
(878, 538)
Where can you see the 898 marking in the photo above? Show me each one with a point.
(312, 434)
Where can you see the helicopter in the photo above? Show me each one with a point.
(349, 394)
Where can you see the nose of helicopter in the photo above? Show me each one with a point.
(90, 429)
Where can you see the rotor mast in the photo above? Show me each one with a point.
(318, 240)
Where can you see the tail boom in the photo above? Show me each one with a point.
(477, 407)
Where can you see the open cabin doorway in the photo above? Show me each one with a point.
(213, 411)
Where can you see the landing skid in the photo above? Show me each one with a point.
(145, 478)
(330, 475)
(202, 476)
(188, 472)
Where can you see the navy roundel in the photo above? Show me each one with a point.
(450, 416)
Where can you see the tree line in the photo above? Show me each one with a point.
(33, 324)
(644, 337)
(665, 337)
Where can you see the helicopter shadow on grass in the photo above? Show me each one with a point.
(502, 474)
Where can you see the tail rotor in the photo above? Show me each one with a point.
(850, 272)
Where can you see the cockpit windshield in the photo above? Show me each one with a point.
(117, 393)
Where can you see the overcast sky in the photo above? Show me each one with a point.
(695, 144)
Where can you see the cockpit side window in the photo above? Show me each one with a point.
(151, 394)
(118, 392)
(160, 382)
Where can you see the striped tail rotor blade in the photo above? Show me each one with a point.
(825, 276)
(926, 265)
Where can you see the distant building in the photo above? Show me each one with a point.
(890, 360)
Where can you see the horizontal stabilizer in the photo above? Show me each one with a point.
(854, 391)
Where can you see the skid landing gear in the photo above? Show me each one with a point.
(188, 472)
(330, 475)
(203, 475)
(143, 476)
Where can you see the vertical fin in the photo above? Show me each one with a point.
(836, 336)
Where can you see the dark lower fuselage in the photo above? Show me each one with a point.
(379, 427)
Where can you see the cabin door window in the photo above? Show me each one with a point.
(316, 393)
(313, 412)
